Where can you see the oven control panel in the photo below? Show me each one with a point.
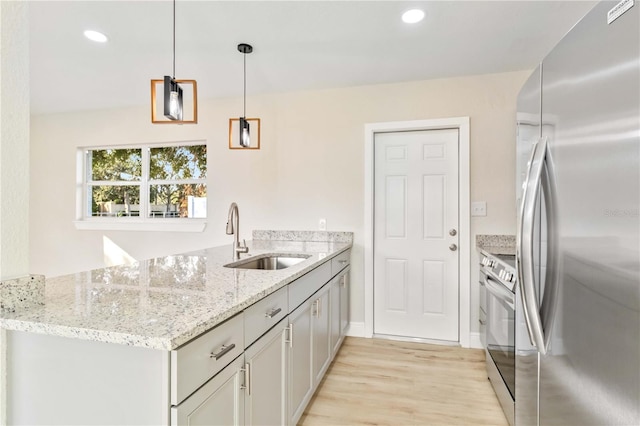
(500, 269)
(506, 276)
(489, 263)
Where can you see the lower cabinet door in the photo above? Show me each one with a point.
(300, 374)
(321, 333)
(219, 402)
(265, 401)
(336, 329)
(344, 301)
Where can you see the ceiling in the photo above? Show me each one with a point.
(298, 45)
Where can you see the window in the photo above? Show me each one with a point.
(149, 183)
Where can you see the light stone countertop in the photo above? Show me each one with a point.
(164, 302)
(497, 244)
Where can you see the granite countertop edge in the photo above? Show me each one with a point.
(37, 319)
(496, 244)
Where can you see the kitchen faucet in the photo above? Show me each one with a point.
(233, 227)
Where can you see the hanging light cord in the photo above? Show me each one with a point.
(174, 39)
(244, 108)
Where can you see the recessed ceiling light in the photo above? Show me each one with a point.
(412, 16)
(95, 36)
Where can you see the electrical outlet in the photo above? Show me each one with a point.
(479, 208)
(322, 224)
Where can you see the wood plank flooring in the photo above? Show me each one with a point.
(384, 382)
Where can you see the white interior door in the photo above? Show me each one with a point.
(416, 276)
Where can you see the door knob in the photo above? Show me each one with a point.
(453, 247)
(453, 232)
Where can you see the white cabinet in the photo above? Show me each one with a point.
(339, 309)
(195, 363)
(300, 373)
(264, 314)
(265, 364)
(336, 328)
(219, 402)
(317, 330)
(321, 353)
(345, 280)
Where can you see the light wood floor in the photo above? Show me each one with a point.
(384, 382)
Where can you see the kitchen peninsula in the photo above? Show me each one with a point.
(182, 338)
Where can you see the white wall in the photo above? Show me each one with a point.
(14, 137)
(14, 156)
(310, 166)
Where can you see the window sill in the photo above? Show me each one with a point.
(157, 225)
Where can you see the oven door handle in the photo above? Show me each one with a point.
(500, 292)
(524, 246)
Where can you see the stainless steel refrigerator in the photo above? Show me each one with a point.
(578, 240)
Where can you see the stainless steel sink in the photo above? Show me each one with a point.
(269, 262)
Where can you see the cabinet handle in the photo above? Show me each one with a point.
(272, 313)
(343, 281)
(224, 349)
(316, 308)
(247, 378)
(291, 335)
(342, 262)
(482, 322)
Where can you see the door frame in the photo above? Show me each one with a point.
(464, 214)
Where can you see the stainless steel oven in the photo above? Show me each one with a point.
(497, 279)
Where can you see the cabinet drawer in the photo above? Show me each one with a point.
(264, 314)
(199, 360)
(302, 288)
(220, 401)
(340, 262)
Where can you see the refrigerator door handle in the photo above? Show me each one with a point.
(549, 303)
(524, 246)
(525, 190)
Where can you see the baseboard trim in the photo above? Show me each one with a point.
(356, 329)
(474, 341)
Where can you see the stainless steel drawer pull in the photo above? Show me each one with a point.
(272, 313)
(223, 351)
(343, 281)
(290, 335)
(342, 262)
(247, 378)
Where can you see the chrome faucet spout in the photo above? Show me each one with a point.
(233, 228)
(233, 212)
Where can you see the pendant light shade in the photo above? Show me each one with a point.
(172, 89)
(172, 99)
(245, 137)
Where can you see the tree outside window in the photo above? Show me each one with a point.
(148, 182)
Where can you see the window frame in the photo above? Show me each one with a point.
(143, 222)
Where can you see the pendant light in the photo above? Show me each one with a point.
(172, 90)
(245, 136)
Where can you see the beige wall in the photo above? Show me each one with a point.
(310, 166)
(14, 157)
(14, 138)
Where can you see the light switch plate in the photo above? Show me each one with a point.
(322, 224)
(479, 208)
